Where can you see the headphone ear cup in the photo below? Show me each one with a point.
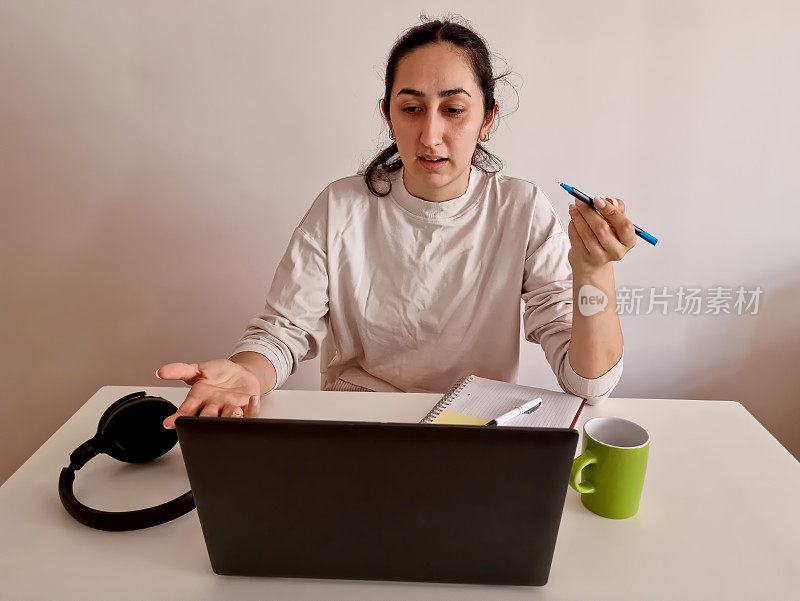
(133, 430)
(116, 405)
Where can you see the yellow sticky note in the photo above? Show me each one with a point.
(451, 417)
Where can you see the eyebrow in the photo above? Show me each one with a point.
(442, 94)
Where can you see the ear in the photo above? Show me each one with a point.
(489, 120)
(383, 110)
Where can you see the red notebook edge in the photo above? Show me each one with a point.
(572, 425)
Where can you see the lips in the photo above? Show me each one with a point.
(433, 165)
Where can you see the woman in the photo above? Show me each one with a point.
(409, 288)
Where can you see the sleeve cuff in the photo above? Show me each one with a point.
(271, 352)
(594, 390)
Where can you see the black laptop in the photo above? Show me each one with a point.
(376, 500)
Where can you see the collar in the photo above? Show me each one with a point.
(436, 211)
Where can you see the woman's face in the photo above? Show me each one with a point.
(436, 109)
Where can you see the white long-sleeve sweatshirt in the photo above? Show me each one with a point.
(404, 294)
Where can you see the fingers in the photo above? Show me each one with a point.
(211, 402)
(584, 230)
(575, 239)
(253, 408)
(613, 212)
(188, 407)
(188, 372)
(625, 231)
(231, 411)
(609, 225)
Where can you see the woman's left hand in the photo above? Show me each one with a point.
(599, 236)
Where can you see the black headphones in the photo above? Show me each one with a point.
(131, 430)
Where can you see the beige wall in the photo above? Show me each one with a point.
(156, 157)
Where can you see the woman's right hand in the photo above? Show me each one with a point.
(219, 387)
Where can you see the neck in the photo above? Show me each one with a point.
(422, 186)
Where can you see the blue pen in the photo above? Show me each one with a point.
(583, 197)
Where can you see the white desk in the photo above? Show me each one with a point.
(719, 516)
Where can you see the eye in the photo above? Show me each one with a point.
(408, 110)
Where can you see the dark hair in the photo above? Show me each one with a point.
(434, 32)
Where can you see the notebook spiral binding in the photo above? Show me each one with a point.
(445, 400)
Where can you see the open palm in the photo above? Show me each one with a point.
(219, 388)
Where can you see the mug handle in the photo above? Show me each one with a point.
(585, 459)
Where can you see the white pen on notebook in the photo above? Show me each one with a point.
(524, 408)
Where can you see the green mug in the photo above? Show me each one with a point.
(613, 463)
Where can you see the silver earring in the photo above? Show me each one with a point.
(486, 139)
(391, 134)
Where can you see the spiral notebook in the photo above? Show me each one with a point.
(476, 401)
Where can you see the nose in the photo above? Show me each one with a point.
(432, 130)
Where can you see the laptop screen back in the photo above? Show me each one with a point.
(378, 501)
